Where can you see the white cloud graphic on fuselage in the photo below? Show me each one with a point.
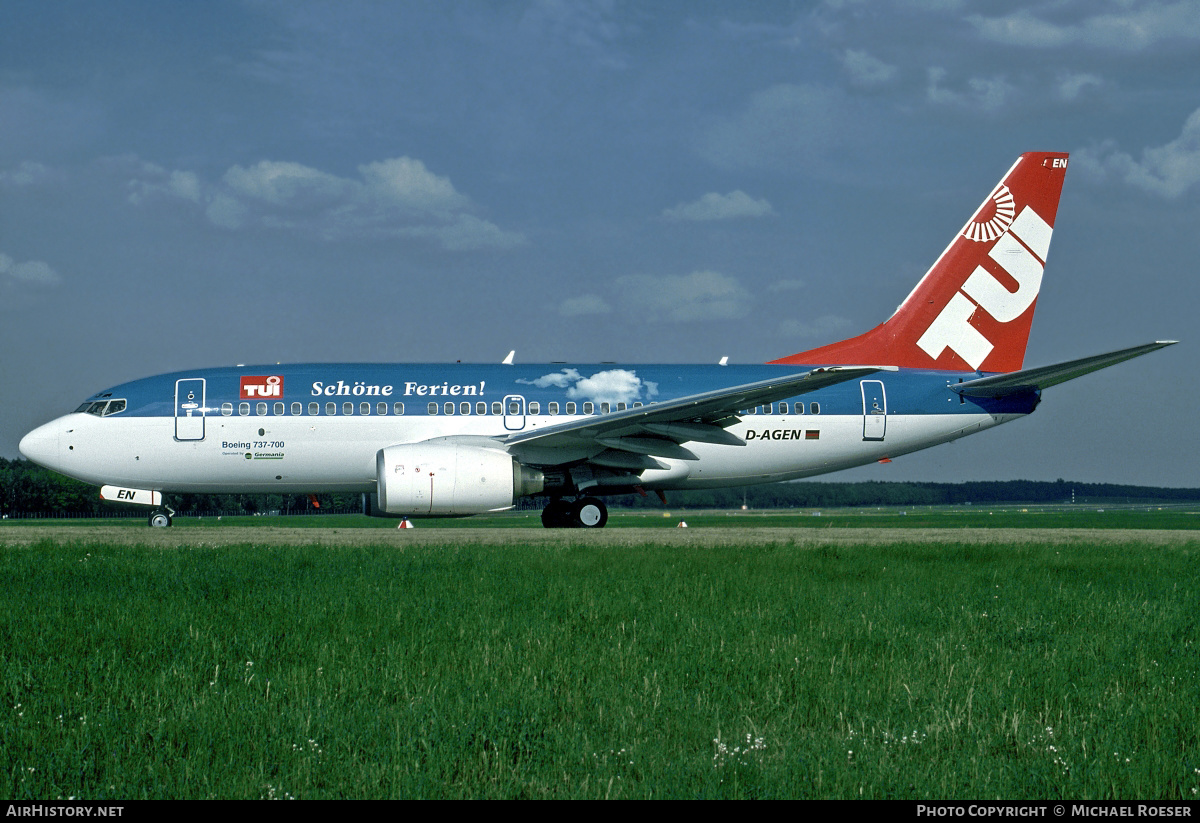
(611, 386)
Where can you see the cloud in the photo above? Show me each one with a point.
(153, 182)
(1169, 170)
(866, 70)
(406, 183)
(713, 206)
(1136, 27)
(583, 305)
(983, 94)
(397, 197)
(701, 295)
(289, 186)
(610, 386)
(465, 232)
(30, 173)
(29, 273)
(560, 379)
(1070, 86)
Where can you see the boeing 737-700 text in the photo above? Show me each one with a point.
(457, 439)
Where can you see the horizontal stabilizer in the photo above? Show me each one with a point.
(1027, 380)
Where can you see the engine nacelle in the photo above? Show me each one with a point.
(449, 478)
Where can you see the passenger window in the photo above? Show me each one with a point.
(481, 407)
(381, 408)
(397, 408)
(769, 408)
(514, 407)
(604, 408)
(535, 407)
(496, 408)
(800, 407)
(620, 407)
(297, 408)
(552, 407)
(278, 408)
(449, 408)
(227, 409)
(260, 409)
(331, 408)
(464, 408)
(314, 408)
(243, 409)
(364, 407)
(815, 408)
(571, 408)
(588, 407)
(783, 408)
(347, 408)
(432, 408)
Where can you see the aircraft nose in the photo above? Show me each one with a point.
(41, 445)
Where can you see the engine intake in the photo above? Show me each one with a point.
(450, 478)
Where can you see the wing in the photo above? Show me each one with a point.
(632, 438)
(1028, 380)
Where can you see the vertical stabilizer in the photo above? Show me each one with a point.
(973, 309)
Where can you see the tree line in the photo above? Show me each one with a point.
(26, 488)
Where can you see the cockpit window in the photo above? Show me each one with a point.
(102, 408)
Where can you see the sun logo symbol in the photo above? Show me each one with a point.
(993, 217)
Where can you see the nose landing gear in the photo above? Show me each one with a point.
(160, 518)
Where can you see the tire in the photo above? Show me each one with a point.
(590, 513)
(159, 520)
(557, 515)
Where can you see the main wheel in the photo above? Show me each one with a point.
(159, 520)
(557, 514)
(590, 513)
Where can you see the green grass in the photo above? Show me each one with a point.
(1031, 516)
(499, 670)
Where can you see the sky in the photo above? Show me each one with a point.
(185, 185)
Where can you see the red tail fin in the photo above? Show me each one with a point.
(972, 310)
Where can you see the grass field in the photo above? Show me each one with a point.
(738, 662)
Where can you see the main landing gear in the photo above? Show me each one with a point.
(585, 513)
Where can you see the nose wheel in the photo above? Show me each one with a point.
(160, 519)
(585, 513)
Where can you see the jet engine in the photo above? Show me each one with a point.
(449, 478)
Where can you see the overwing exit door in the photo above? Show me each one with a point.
(514, 412)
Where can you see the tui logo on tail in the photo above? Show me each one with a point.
(973, 309)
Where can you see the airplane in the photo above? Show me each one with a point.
(452, 439)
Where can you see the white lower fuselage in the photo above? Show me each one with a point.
(338, 454)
